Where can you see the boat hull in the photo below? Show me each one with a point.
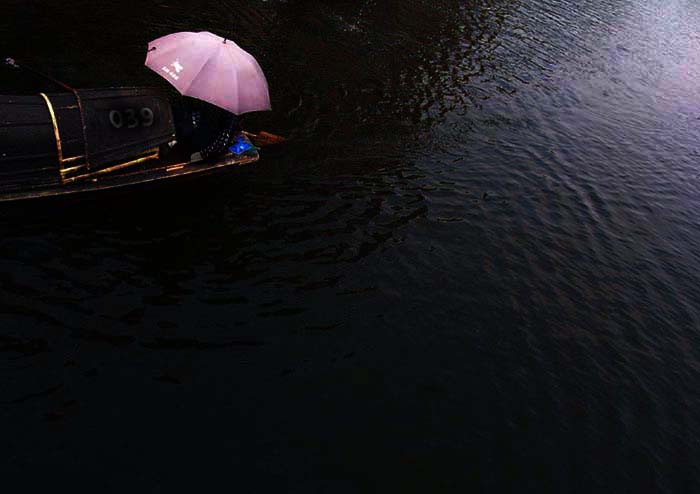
(46, 151)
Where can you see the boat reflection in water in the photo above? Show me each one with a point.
(96, 139)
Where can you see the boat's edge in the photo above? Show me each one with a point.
(145, 177)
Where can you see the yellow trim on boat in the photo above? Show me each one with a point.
(54, 122)
(154, 154)
(73, 158)
(59, 144)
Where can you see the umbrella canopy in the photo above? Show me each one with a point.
(211, 68)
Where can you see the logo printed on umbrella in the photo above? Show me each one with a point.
(170, 72)
(178, 68)
(176, 64)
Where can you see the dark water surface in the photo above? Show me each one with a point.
(476, 265)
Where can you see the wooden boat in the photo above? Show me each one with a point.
(91, 140)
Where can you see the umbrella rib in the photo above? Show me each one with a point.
(164, 53)
(237, 85)
(199, 73)
(254, 63)
(167, 51)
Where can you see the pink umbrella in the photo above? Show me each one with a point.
(211, 68)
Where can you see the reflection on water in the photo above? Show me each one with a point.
(474, 264)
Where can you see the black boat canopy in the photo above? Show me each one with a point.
(55, 138)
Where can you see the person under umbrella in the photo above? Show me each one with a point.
(203, 128)
(219, 80)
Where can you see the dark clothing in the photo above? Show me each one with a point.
(203, 127)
